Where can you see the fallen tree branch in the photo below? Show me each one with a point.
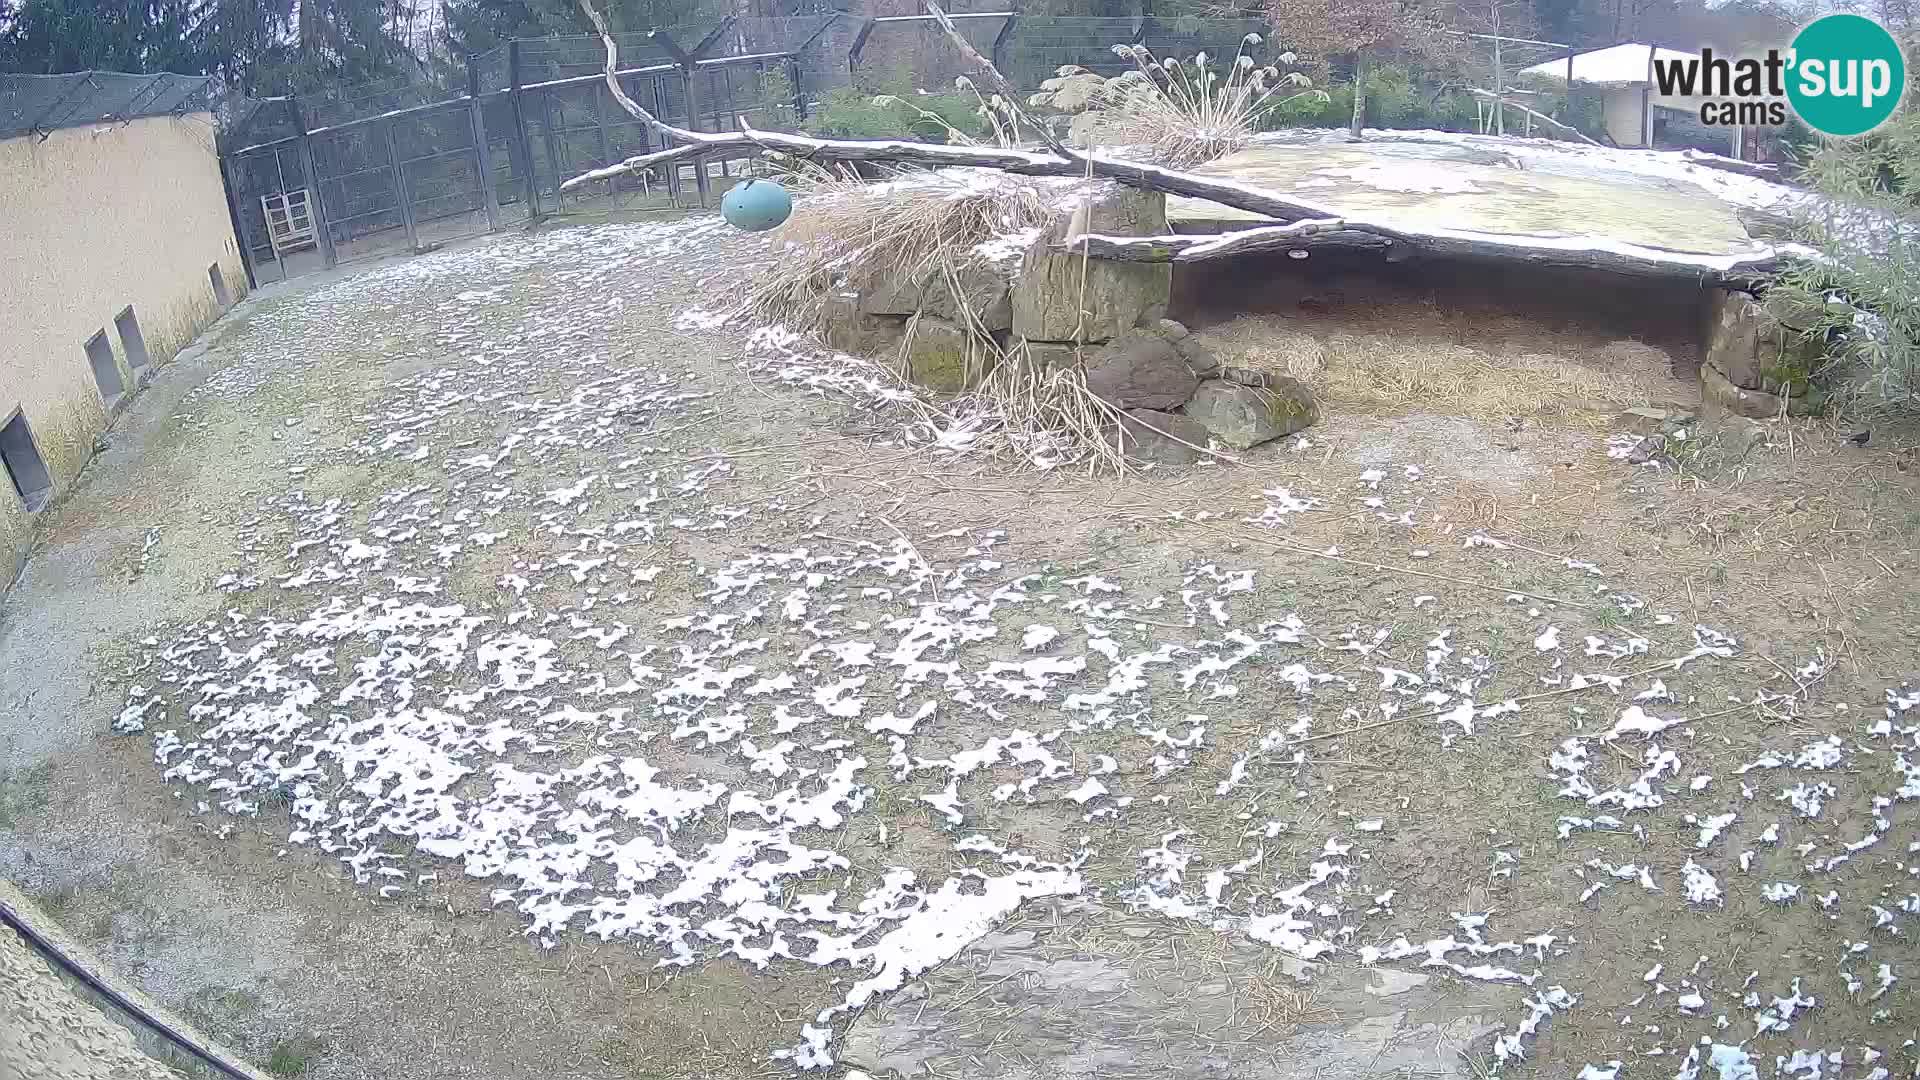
(930, 155)
(1540, 116)
(1185, 248)
(632, 107)
(1342, 234)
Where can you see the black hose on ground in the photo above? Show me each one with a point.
(68, 966)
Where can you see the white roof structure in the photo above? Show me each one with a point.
(1619, 65)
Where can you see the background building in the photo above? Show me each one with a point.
(116, 249)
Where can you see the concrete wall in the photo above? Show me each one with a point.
(1622, 107)
(93, 219)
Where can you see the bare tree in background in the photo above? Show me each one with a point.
(1362, 28)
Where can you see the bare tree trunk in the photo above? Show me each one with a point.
(1359, 93)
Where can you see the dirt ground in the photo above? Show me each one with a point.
(57, 1032)
(400, 592)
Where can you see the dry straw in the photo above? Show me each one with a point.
(1185, 113)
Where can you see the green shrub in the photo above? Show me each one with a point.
(773, 102)
(1867, 313)
(1395, 99)
(852, 113)
(1398, 98)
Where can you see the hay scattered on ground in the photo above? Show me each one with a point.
(1382, 369)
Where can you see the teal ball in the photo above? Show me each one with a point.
(756, 205)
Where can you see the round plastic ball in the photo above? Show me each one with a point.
(756, 205)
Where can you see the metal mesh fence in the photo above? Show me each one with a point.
(396, 162)
(1040, 46)
(43, 103)
(411, 177)
(826, 51)
(344, 105)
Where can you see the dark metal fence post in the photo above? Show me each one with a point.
(693, 124)
(999, 54)
(520, 131)
(550, 140)
(482, 150)
(400, 192)
(317, 203)
(240, 233)
(793, 79)
(600, 95)
(859, 44)
(689, 69)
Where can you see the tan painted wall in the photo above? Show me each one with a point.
(93, 219)
(1622, 112)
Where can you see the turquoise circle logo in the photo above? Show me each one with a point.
(1847, 75)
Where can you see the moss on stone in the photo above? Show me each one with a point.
(938, 368)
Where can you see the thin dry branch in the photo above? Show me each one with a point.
(1347, 234)
(1300, 235)
(694, 141)
(996, 81)
(1540, 116)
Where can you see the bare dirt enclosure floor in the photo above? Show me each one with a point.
(468, 667)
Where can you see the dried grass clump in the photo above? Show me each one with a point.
(1185, 113)
(922, 225)
(1047, 416)
(1396, 371)
(847, 232)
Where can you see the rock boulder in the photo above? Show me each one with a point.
(1049, 295)
(943, 357)
(1161, 438)
(985, 289)
(1243, 416)
(1749, 345)
(850, 330)
(1140, 371)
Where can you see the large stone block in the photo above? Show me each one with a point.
(985, 288)
(1244, 417)
(1749, 345)
(894, 295)
(1054, 301)
(945, 358)
(1162, 438)
(1043, 356)
(1140, 371)
(1719, 394)
(850, 330)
